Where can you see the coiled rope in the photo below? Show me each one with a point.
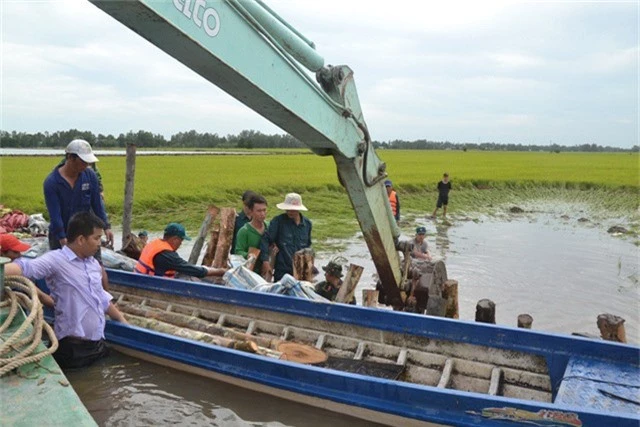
(21, 347)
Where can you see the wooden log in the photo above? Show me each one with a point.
(133, 246)
(129, 180)
(450, 293)
(348, 287)
(254, 253)
(227, 223)
(486, 311)
(210, 216)
(211, 247)
(370, 297)
(525, 321)
(303, 264)
(612, 327)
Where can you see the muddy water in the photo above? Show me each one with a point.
(561, 271)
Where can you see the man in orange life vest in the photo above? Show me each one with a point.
(159, 257)
(393, 199)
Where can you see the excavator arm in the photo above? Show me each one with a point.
(251, 53)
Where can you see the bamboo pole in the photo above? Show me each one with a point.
(212, 212)
(486, 311)
(303, 264)
(129, 181)
(227, 224)
(612, 327)
(345, 293)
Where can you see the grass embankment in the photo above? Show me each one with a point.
(179, 188)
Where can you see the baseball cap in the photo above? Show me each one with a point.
(421, 230)
(143, 233)
(9, 242)
(82, 149)
(388, 183)
(175, 229)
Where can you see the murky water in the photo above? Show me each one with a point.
(561, 271)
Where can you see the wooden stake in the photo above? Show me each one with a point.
(253, 253)
(450, 293)
(345, 293)
(211, 247)
(212, 212)
(525, 321)
(227, 223)
(129, 181)
(133, 246)
(612, 327)
(370, 297)
(303, 264)
(486, 311)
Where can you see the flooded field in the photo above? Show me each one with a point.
(562, 271)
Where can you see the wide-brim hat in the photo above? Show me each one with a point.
(333, 269)
(292, 202)
(82, 149)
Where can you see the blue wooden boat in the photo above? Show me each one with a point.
(443, 371)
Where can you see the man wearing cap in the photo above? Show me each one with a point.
(144, 237)
(329, 287)
(159, 257)
(72, 188)
(393, 199)
(420, 249)
(11, 247)
(288, 232)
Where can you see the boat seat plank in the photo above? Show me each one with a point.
(251, 328)
(496, 379)
(221, 320)
(402, 357)
(445, 378)
(360, 351)
(286, 332)
(600, 385)
(321, 341)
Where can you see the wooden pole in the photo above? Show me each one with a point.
(450, 293)
(486, 311)
(345, 293)
(525, 321)
(212, 212)
(211, 248)
(227, 223)
(254, 253)
(612, 327)
(370, 297)
(129, 181)
(303, 264)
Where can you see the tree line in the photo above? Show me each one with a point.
(255, 139)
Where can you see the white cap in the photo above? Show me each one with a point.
(82, 149)
(292, 202)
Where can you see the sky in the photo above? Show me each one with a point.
(462, 71)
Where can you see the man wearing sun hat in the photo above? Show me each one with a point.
(70, 188)
(332, 282)
(420, 249)
(159, 257)
(288, 233)
(11, 247)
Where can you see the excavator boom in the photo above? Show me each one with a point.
(251, 53)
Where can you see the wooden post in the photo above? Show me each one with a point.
(486, 311)
(525, 321)
(211, 247)
(253, 253)
(227, 223)
(129, 180)
(450, 293)
(212, 212)
(345, 293)
(612, 327)
(303, 264)
(370, 297)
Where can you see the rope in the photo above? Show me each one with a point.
(23, 344)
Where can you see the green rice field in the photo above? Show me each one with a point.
(179, 188)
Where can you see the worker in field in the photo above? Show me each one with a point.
(287, 233)
(444, 186)
(11, 247)
(159, 257)
(332, 282)
(393, 199)
(420, 248)
(74, 278)
(250, 235)
(242, 218)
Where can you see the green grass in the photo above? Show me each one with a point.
(179, 188)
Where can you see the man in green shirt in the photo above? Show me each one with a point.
(250, 234)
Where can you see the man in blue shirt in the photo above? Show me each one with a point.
(72, 188)
(288, 233)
